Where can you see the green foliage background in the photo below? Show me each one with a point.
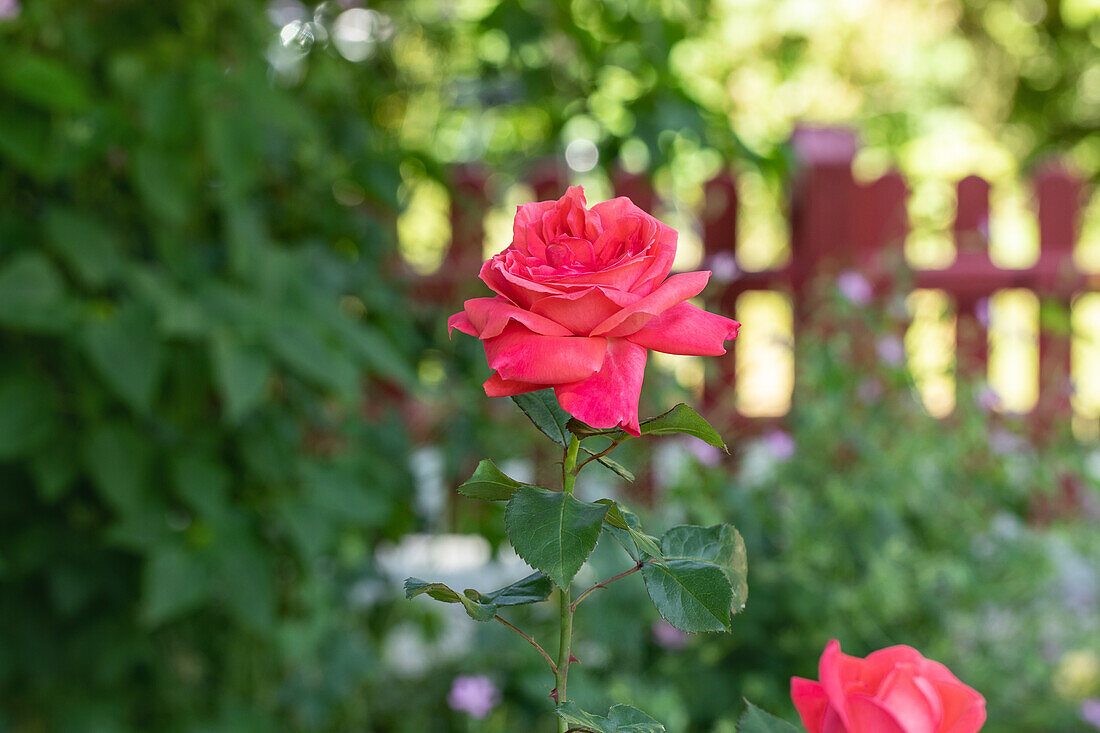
(204, 322)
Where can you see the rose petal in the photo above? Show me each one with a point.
(495, 386)
(867, 715)
(490, 316)
(676, 289)
(609, 398)
(838, 673)
(519, 354)
(582, 310)
(878, 664)
(520, 290)
(812, 703)
(685, 329)
(909, 701)
(963, 707)
(462, 322)
(527, 227)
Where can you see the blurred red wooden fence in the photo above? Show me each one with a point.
(836, 223)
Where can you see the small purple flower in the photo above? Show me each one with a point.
(987, 399)
(1004, 443)
(854, 287)
(667, 636)
(780, 444)
(475, 695)
(1090, 712)
(9, 9)
(705, 453)
(891, 350)
(723, 267)
(869, 391)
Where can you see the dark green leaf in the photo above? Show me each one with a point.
(691, 595)
(532, 589)
(43, 81)
(553, 531)
(683, 419)
(625, 526)
(755, 720)
(721, 545)
(241, 372)
(28, 406)
(489, 483)
(476, 609)
(119, 459)
(89, 249)
(620, 719)
(543, 410)
(612, 465)
(32, 295)
(174, 581)
(127, 351)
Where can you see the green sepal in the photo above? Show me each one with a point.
(542, 409)
(702, 582)
(755, 720)
(553, 531)
(489, 483)
(475, 608)
(620, 719)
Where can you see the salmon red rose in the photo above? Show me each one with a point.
(581, 295)
(893, 690)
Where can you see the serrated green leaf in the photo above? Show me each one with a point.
(553, 531)
(620, 719)
(476, 609)
(626, 528)
(535, 588)
(489, 483)
(683, 419)
(755, 720)
(690, 594)
(720, 544)
(542, 409)
(127, 351)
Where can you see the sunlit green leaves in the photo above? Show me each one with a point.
(620, 719)
(553, 531)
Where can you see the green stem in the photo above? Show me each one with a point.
(565, 639)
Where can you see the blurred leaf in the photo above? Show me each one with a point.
(32, 295)
(242, 373)
(489, 483)
(44, 81)
(86, 245)
(26, 140)
(28, 406)
(542, 409)
(174, 581)
(127, 352)
(305, 353)
(119, 459)
(476, 609)
(553, 531)
(246, 581)
(164, 182)
(755, 720)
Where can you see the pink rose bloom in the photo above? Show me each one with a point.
(893, 690)
(581, 294)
